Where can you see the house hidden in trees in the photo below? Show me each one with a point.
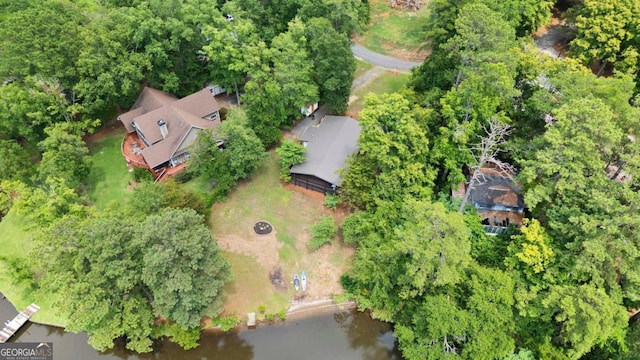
(328, 144)
(498, 200)
(160, 128)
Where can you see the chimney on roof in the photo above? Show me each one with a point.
(164, 131)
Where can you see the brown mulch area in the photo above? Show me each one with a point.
(310, 193)
(103, 132)
(277, 280)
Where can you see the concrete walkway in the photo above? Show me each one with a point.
(384, 61)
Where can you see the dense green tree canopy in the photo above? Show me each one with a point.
(393, 154)
(560, 286)
(608, 32)
(115, 273)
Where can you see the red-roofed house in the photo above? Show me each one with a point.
(160, 127)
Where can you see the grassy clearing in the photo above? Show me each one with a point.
(395, 32)
(260, 198)
(109, 178)
(16, 242)
(198, 184)
(386, 83)
(292, 214)
(245, 269)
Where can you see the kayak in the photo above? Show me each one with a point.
(296, 282)
(304, 280)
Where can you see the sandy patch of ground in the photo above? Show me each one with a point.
(407, 54)
(262, 247)
(324, 268)
(306, 309)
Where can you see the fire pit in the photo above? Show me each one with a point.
(262, 228)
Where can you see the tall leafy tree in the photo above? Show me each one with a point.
(14, 160)
(115, 273)
(292, 70)
(65, 155)
(608, 32)
(193, 283)
(47, 202)
(393, 157)
(345, 16)
(95, 264)
(227, 49)
(42, 40)
(415, 268)
(111, 66)
(229, 153)
(263, 97)
(31, 105)
(333, 63)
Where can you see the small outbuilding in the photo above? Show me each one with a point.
(328, 144)
(498, 200)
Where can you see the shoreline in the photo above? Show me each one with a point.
(298, 310)
(312, 308)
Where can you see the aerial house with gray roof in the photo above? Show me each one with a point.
(161, 128)
(328, 144)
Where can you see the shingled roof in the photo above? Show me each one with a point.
(496, 192)
(179, 115)
(328, 146)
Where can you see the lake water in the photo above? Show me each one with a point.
(342, 335)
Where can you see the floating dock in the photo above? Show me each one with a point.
(12, 327)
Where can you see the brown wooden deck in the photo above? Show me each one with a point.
(132, 150)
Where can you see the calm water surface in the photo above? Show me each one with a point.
(343, 335)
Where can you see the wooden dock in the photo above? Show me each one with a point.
(14, 325)
(251, 320)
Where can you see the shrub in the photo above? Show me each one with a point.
(226, 323)
(331, 201)
(282, 315)
(290, 153)
(323, 232)
(262, 309)
(187, 338)
(270, 317)
(142, 175)
(184, 176)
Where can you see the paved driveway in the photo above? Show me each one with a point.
(384, 61)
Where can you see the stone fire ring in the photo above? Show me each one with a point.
(262, 228)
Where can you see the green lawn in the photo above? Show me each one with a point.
(244, 269)
(16, 243)
(109, 178)
(386, 83)
(395, 32)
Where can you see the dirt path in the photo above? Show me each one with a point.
(366, 77)
(363, 80)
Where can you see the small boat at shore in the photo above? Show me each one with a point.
(303, 280)
(296, 282)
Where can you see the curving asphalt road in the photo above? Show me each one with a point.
(384, 61)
